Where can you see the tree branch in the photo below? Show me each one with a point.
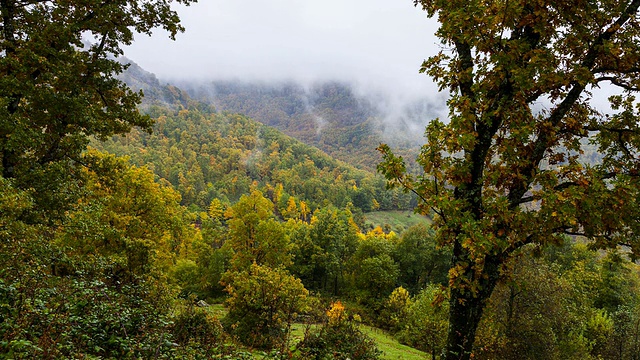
(542, 143)
(615, 81)
(566, 185)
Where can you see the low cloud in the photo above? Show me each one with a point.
(376, 44)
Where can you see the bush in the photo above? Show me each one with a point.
(81, 318)
(426, 323)
(394, 312)
(339, 338)
(263, 304)
(196, 325)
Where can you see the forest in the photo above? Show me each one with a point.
(140, 221)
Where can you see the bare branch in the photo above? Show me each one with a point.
(603, 70)
(611, 129)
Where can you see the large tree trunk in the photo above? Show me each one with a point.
(465, 313)
(466, 308)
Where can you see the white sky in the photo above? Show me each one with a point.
(379, 44)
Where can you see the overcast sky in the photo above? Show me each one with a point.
(378, 43)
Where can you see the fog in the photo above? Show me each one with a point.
(378, 45)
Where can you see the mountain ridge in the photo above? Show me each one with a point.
(333, 116)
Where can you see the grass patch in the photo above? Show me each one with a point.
(395, 220)
(217, 310)
(391, 348)
(297, 332)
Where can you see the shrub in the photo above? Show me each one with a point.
(394, 312)
(339, 338)
(263, 304)
(426, 323)
(196, 325)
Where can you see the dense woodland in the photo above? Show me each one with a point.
(122, 222)
(207, 155)
(217, 207)
(329, 115)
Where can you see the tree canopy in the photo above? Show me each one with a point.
(505, 170)
(57, 84)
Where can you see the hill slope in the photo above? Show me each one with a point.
(208, 155)
(332, 116)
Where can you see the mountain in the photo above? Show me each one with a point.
(155, 93)
(333, 116)
(209, 155)
(336, 117)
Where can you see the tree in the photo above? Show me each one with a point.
(57, 88)
(425, 324)
(124, 215)
(421, 262)
(263, 303)
(254, 234)
(333, 241)
(375, 272)
(505, 170)
(95, 281)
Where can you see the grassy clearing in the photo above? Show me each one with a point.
(297, 332)
(396, 220)
(390, 347)
(217, 310)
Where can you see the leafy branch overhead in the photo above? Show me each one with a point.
(57, 67)
(505, 170)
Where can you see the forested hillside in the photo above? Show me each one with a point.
(175, 227)
(331, 116)
(207, 155)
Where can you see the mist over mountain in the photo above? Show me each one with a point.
(327, 103)
(346, 120)
(155, 92)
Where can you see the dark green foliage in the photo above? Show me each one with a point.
(341, 342)
(625, 340)
(338, 338)
(323, 250)
(72, 290)
(58, 85)
(426, 322)
(81, 314)
(618, 288)
(196, 325)
(558, 306)
(422, 262)
(263, 303)
(375, 273)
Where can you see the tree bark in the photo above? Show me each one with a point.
(464, 318)
(466, 308)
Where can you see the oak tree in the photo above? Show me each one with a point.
(505, 170)
(58, 62)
